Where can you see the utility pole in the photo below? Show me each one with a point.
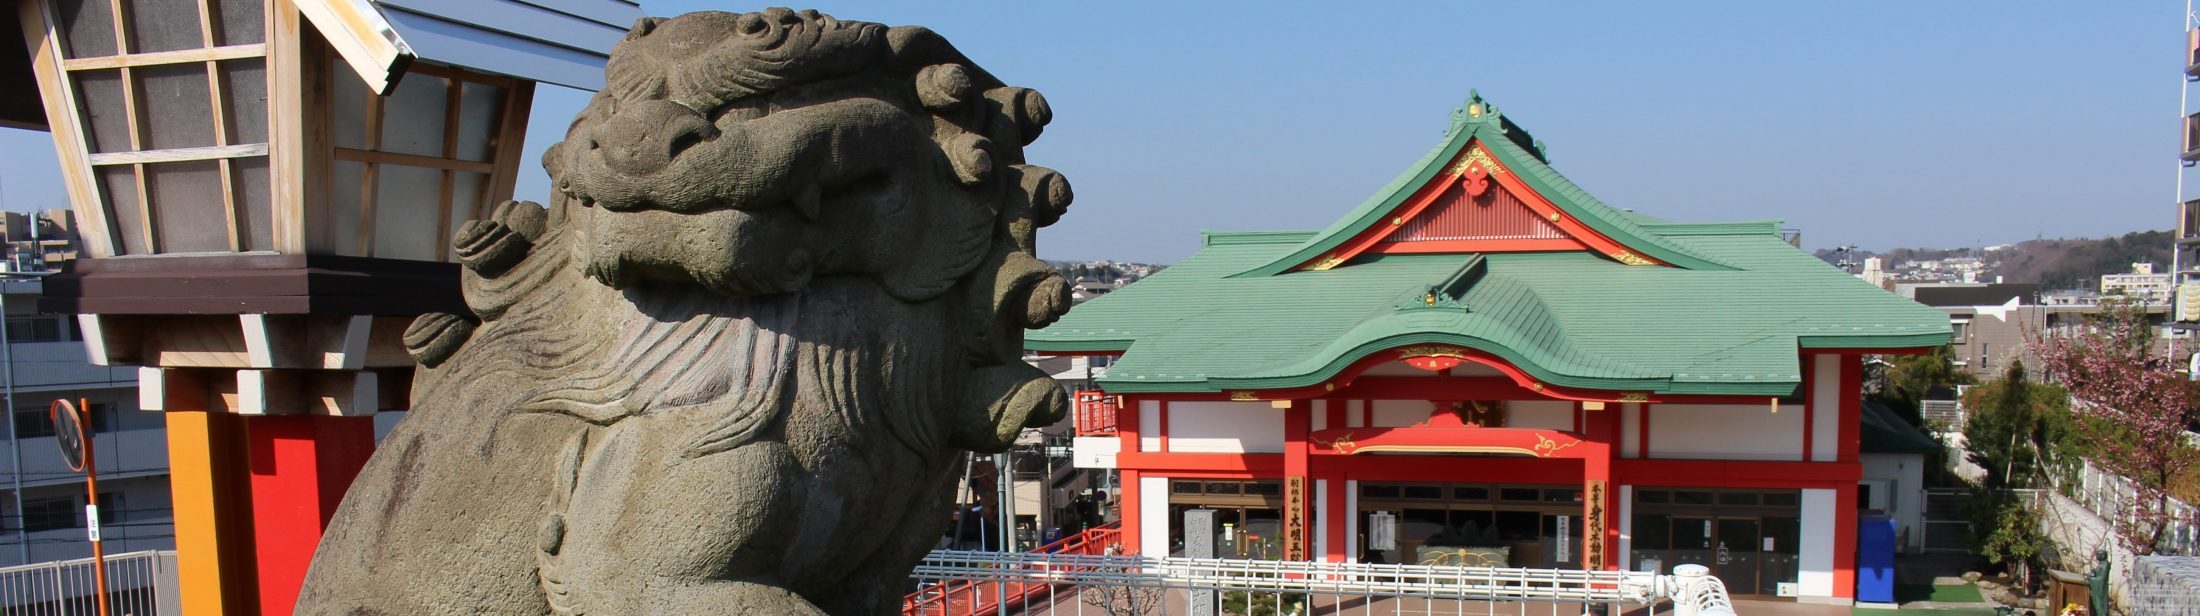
(15, 443)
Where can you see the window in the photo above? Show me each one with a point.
(174, 106)
(38, 329)
(49, 513)
(399, 191)
(38, 421)
(110, 508)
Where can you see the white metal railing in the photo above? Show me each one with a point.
(1692, 590)
(138, 584)
(2112, 498)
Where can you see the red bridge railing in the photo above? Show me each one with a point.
(964, 598)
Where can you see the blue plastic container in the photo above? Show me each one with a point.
(1875, 543)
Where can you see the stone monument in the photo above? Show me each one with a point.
(730, 369)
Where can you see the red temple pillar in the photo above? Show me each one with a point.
(1126, 487)
(1599, 498)
(1844, 501)
(1298, 421)
(302, 465)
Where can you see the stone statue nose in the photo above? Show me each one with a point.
(645, 137)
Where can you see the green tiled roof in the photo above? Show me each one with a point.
(1728, 318)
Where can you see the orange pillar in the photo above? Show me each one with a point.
(212, 502)
(301, 466)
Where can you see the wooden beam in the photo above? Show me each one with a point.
(342, 393)
(412, 160)
(459, 74)
(111, 340)
(369, 178)
(511, 137)
(215, 152)
(146, 223)
(216, 94)
(365, 41)
(453, 94)
(43, 41)
(157, 58)
(268, 392)
(340, 342)
(194, 342)
(176, 389)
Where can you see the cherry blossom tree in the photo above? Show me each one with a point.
(2133, 411)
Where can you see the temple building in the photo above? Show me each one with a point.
(1483, 364)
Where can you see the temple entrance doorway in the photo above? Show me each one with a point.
(1470, 524)
(1749, 538)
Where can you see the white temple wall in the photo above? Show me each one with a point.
(1225, 427)
(1726, 432)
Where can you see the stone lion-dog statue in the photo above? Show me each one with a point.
(732, 367)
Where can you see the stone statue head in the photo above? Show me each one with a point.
(800, 146)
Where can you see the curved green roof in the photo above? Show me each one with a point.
(1730, 317)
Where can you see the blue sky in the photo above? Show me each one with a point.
(1879, 124)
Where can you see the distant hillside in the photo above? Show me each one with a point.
(2054, 264)
(2065, 264)
(1105, 270)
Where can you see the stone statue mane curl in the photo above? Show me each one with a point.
(730, 369)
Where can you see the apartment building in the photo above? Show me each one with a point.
(42, 514)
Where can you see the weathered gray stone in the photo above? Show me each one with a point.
(732, 366)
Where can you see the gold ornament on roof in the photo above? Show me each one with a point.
(1327, 263)
(1474, 110)
(1634, 397)
(1244, 396)
(1478, 156)
(1432, 350)
(1631, 258)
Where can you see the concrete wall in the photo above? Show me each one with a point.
(1903, 475)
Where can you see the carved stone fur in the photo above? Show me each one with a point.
(730, 369)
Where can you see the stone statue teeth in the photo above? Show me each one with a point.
(732, 366)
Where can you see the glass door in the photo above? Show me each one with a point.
(1735, 561)
(1692, 542)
